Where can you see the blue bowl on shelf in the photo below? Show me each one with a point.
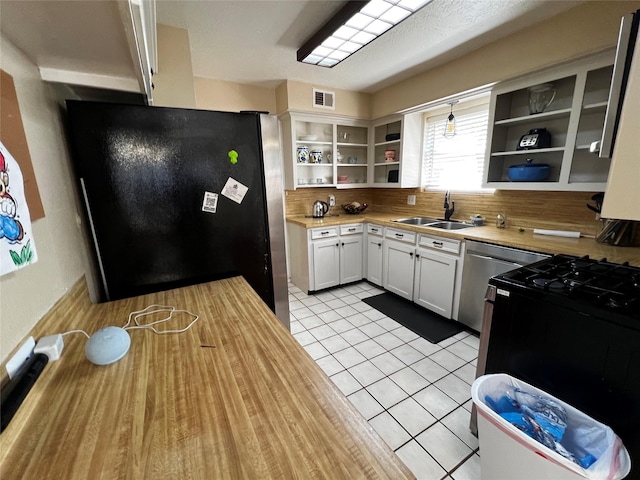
(529, 172)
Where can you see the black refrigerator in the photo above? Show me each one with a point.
(174, 197)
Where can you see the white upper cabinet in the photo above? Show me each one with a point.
(574, 119)
(396, 151)
(339, 152)
(324, 151)
(622, 196)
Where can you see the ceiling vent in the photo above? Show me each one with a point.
(324, 99)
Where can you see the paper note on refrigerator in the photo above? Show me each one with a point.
(234, 190)
(210, 202)
(17, 247)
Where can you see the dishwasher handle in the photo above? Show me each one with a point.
(494, 259)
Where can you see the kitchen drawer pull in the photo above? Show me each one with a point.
(374, 230)
(399, 235)
(351, 230)
(325, 233)
(438, 244)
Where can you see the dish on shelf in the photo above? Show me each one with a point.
(343, 181)
(308, 138)
(354, 207)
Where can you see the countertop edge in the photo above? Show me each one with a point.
(511, 236)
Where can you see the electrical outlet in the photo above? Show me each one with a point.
(411, 200)
(332, 200)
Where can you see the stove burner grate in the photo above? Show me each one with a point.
(608, 285)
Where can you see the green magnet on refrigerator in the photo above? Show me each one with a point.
(233, 156)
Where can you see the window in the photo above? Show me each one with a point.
(458, 162)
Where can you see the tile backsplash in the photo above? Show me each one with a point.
(527, 209)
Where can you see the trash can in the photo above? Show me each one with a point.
(509, 452)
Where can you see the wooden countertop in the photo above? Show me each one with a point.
(233, 397)
(510, 236)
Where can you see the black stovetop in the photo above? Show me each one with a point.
(598, 283)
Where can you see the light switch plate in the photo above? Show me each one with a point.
(411, 200)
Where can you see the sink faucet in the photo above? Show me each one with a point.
(448, 211)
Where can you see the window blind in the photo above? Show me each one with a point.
(458, 162)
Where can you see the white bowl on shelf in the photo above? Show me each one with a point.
(308, 138)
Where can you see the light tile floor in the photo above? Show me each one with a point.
(415, 394)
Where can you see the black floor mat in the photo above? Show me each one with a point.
(428, 325)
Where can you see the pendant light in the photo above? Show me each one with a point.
(450, 125)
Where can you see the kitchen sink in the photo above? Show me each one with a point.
(417, 220)
(434, 223)
(451, 225)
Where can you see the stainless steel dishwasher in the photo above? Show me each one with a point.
(481, 262)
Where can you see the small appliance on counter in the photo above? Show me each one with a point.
(319, 209)
(534, 139)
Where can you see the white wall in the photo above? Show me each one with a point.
(27, 294)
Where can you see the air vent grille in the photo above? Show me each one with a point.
(324, 99)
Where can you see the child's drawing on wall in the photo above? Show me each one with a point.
(17, 248)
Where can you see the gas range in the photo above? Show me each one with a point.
(570, 326)
(597, 283)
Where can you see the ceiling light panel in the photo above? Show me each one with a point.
(355, 25)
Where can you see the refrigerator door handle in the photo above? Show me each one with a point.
(95, 239)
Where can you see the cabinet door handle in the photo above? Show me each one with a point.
(337, 244)
(417, 256)
(411, 254)
(379, 245)
(343, 244)
(438, 244)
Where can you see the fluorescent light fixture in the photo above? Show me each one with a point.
(354, 26)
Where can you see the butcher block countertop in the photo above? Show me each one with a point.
(234, 397)
(510, 236)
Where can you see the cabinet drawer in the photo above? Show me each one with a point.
(374, 229)
(401, 235)
(324, 232)
(440, 243)
(351, 229)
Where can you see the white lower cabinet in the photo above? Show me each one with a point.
(351, 253)
(374, 254)
(326, 263)
(398, 260)
(434, 281)
(424, 269)
(321, 258)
